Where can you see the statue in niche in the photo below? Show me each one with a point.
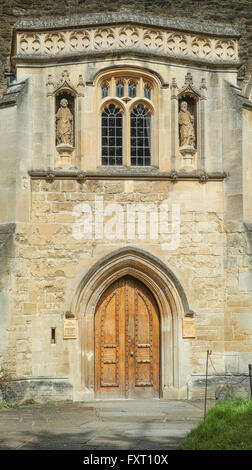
(186, 126)
(64, 124)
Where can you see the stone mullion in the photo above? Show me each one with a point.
(113, 87)
(141, 87)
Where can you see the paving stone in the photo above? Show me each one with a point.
(154, 425)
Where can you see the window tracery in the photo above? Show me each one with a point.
(127, 116)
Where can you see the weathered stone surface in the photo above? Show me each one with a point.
(219, 387)
(224, 391)
(39, 390)
(54, 252)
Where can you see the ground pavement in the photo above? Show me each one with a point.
(106, 425)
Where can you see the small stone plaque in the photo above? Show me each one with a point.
(189, 328)
(70, 329)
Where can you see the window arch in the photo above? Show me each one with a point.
(112, 133)
(129, 101)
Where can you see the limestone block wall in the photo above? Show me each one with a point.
(52, 262)
(238, 327)
(7, 337)
(211, 262)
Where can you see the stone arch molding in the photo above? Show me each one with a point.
(171, 301)
(161, 281)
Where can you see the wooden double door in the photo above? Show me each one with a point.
(127, 342)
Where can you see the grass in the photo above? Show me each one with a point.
(4, 405)
(228, 426)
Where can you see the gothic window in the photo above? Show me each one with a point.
(132, 90)
(147, 92)
(104, 90)
(112, 132)
(128, 107)
(120, 89)
(140, 139)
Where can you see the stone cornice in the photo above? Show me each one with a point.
(99, 19)
(140, 175)
(43, 41)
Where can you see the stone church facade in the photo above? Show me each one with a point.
(126, 210)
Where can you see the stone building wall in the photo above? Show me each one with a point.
(44, 263)
(53, 262)
(212, 261)
(7, 339)
(238, 14)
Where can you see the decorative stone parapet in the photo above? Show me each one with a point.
(159, 38)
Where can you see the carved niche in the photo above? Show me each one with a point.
(64, 119)
(64, 94)
(188, 99)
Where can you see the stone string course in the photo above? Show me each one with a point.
(228, 12)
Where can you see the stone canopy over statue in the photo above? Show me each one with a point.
(64, 124)
(186, 126)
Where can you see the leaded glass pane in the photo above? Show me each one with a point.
(112, 136)
(147, 92)
(140, 138)
(120, 89)
(132, 90)
(104, 91)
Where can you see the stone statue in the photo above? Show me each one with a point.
(186, 126)
(64, 124)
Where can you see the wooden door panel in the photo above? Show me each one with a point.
(143, 335)
(127, 341)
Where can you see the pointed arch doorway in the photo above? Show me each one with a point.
(164, 288)
(127, 337)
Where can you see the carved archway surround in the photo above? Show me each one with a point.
(171, 301)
